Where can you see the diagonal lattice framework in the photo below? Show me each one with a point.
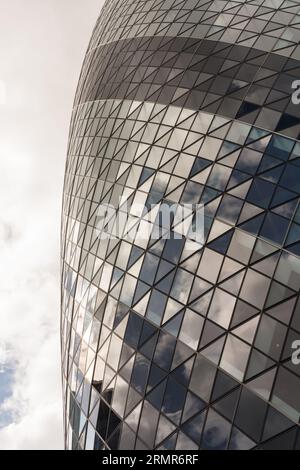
(176, 343)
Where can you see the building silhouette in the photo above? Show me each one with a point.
(169, 342)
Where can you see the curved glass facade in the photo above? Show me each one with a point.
(179, 332)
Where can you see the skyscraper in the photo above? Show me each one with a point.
(181, 341)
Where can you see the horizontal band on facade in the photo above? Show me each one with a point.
(256, 26)
(231, 80)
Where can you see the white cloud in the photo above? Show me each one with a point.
(29, 318)
(40, 69)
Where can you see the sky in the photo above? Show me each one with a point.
(42, 45)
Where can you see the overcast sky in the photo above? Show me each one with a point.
(42, 45)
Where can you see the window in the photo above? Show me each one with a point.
(182, 286)
(255, 288)
(133, 330)
(260, 193)
(191, 329)
(140, 373)
(210, 265)
(164, 351)
(291, 178)
(280, 147)
(248, 161)
(288, 271)
(174, 400)
(251, 414)
(274, 228)
(235, 357)
(286, 395)
(219, 177)
(202, 368)
(241, 246)
(148, 424)
(156, 307)
(216, 433)
(229, 209)
(210, 148)
(221, 308)
(270, 337)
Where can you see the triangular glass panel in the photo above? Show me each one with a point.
(199, 288)
(141, 290)
(170, 443)
(156, 375)
(199, 165)
(233, 284)
(173, 325)
(242, 313)
(276, 423)
(201, 305)
(254, 225)
(221, 244)
(193, 405)
(240, 441)
(268, 265)
(257, 363)
(181, 354)
(182, 373)
(193, 427)
(148, 348)
(214, 351)
(227, 405)
(284, 311)
(247, 331)
(210, 333)
(223, 384)
(141, 306)
(277, 294)
(136, 252)
(165, 428)
(263, 384)
(156, 396)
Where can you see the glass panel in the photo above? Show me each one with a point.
(274, 228)
(149, 268)
(174, 400)
(270, 337)
(182, 286)
(210, 265)
(185, 443)
(241, 246)
(288, 271)
(164, 350)
(221, 308)
(148, 424)
(200, 387)
(261, 193)
(156, 307)
(230, 208)
(140, 373)
(251, 414)
(210, 148)
(286, 395)
(240, 441)
(219, 177)
(193, 427)
(191, 329)
(119, 396)
(235, 357)
(133, 330)
(114, 352)
(216, 433)
(255, 288)
(238, 133)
